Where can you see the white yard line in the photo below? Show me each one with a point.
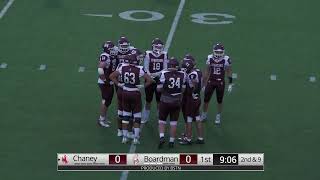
(99, 15)
(5, 8)
(174, 25)
(124, 174)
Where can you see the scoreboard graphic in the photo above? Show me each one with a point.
(160, 162)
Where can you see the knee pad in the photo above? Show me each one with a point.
(173, 123)
(137, 120)
(162, 122)
(126, 120)
(189, 119)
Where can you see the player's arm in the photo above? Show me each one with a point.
(229, 75)
(102, 76)
(146, 62)
(206, 75)
(160, 85)
(114, 77)
(148, 79)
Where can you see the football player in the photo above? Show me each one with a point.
(172, 86)
(131, 96)
(124, 49)
(155, 61)
(218, 64)
(192, 100)
(106, 62)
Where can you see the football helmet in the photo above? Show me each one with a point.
(218, 50)
(139, 54)
(187, 65)
(189, 57)
(157, 46)
(123, 44)
(131, 59)
(173, 63)
(109, 48)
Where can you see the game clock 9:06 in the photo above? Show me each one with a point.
(225, 159)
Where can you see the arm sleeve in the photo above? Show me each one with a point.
(162, 78)
(165, 62)
(208, 60)
(141, 73)
(146, 63)
(227, 61)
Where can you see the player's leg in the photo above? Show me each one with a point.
(158, 97)
(220, 94)
(184, 113)
(163, 114)
(127, 113)
(199, 122)
(106, 95)
(188, 106)
(174, 116)
(120, 111)
(137, 117)
(149, 91)
(207, 96)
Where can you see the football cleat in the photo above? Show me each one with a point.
(124, 140)
(200, 141)
(182, 137)
(218, 119)
(171, 144)
(204, 116)
(162, 141)
(103, 123)
(130, 135)
(119, 134)
(185, 141)
(136, 141)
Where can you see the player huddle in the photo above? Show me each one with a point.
(176, 86)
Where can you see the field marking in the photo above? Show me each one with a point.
(3, 65)
(124, 174)
(99, 15)
(81, 69)
(174, 25)
(42, 67)
(273, 77)
(312, 79)
(5, 8)
(234, 75)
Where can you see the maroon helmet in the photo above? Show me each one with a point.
(139, 54)
(109, 48)
(218, 50)
(187, 65)
(157, 46)
(131, 59)
(173, 63)
(189, 57)
(123, 44)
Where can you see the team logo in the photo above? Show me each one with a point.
(135, 159)
(64, 159)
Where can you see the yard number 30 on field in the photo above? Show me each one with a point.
(201, 18)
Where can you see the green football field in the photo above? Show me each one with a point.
(43, 112)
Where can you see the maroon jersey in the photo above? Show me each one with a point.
(155, 63)
(121, 56)
(131, 76)
(172, 83)
(107, 59)
(217, 67)
(194, 89)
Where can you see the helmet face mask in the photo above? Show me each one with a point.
(218, 50)
(108, 47)
(157, 46)
(123, 45)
